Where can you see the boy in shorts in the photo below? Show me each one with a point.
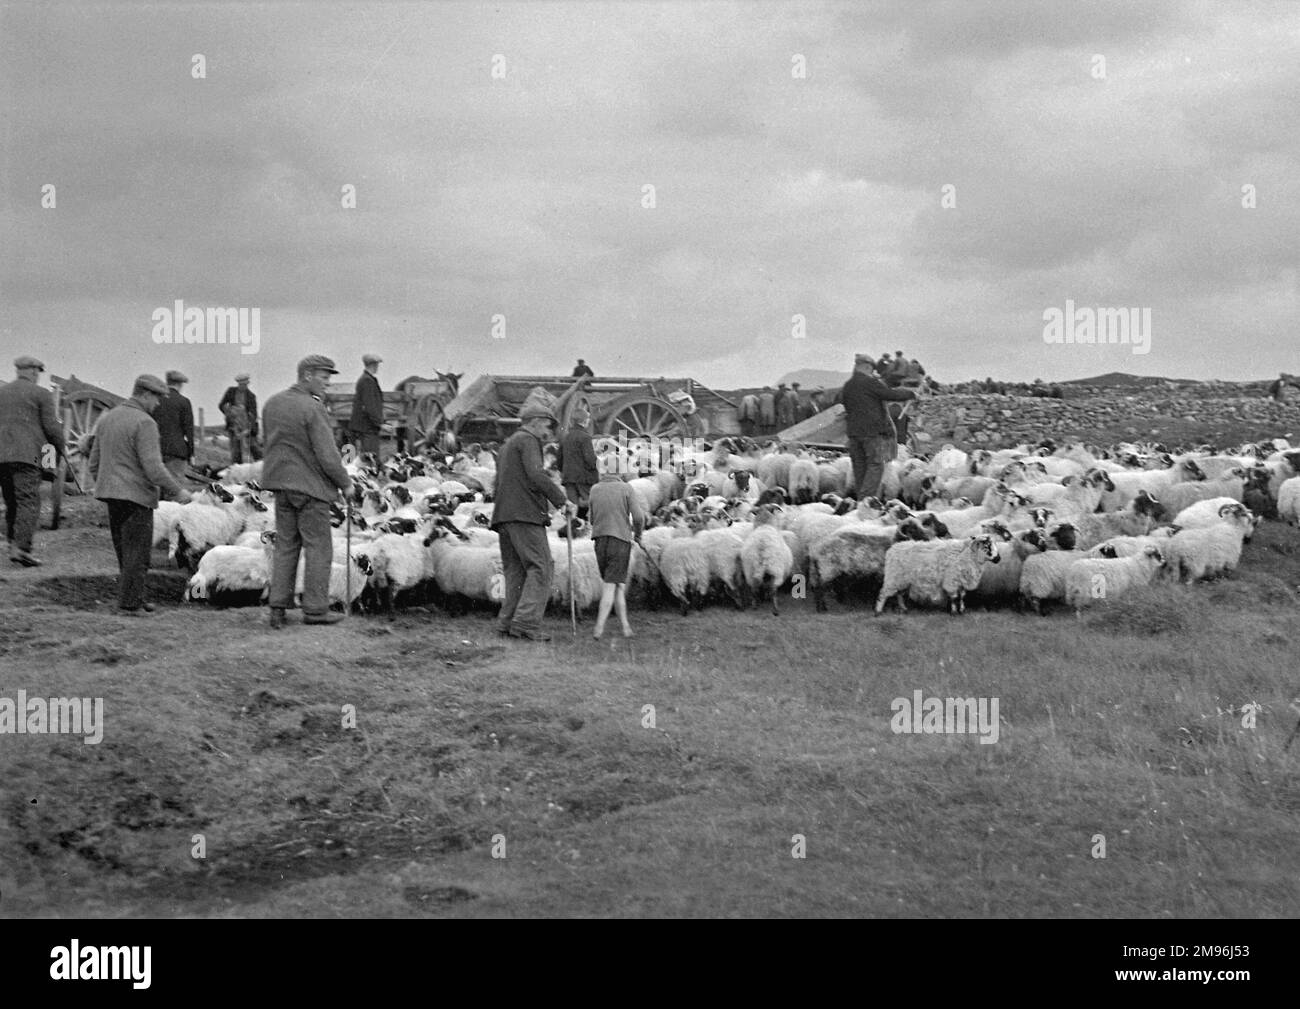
(617, 519)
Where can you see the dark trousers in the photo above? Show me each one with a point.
(302, 525)
(366, 442)
(869, 455)
(132, 527)
(526, 564)
(579, 494)
(748, 428)
(21, 485)
(237, 447)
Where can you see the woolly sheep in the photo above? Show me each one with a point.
(1288, 501)
(765, 557)
(684, 568)
(1184, 495)
(1194, 554)
(1091, 579)
(1002, 580)
(1042, 576)
(804, 481)
(854, 551)
(936, 571)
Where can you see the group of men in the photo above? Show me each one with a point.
(770, 410)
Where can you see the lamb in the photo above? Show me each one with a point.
(1091, 579)
(937, 571)
(765, 557)
(232, 574)
(1194, 554)
(1288, 501)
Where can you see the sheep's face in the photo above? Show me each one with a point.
(983, 546)
(1033, 539)
(1041, 516)
(936, 528)
(268, 537)
(998, 529)
(1192, 471)
(400, 494)
(741, 479)
(1145, 504)
(220, 493)
(1065, 535)
(363, 564)
(1107, 550)
(1154, 556)
(699, 490)
(909, 529)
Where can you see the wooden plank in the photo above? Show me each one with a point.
(826, 428)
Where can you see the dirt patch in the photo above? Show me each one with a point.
(99, 592)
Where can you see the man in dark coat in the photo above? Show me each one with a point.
(582, 371)
(127, 465)
(304, 468)
(520, 517)
(239, 406)
(367, 418)
(872, 439)
(577, 462)
(766, 411)
(175, 420)
(27, 422)
(785, 403)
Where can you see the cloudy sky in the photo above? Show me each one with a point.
(775, 195)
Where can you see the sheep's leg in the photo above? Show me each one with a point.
(881, 600)
(770, 588)
(388, 601)
(685, 601)
(734, 594)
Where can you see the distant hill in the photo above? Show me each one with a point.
(1118, 378)
(811, 378)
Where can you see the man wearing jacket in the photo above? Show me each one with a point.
(27, 422)
(304, 468)
(367, 407)
(175, 420)
(871, 435)
(239, 406)
(577, 461)
(520, 516)
(128, 469)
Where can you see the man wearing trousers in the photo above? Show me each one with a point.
(175, 420)
(27, 422)
(520, 516)
(872, 440)
(304, 468)
(577, 461)
(367, 418)
(128, 469)
(239, 406)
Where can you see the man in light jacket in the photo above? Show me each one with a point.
(27, 422)
(872, 439)
(367, 418)
(304, 468)
(128, 469)
(520, 517)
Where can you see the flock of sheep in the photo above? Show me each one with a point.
(736, 522)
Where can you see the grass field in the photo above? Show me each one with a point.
(1126, 724)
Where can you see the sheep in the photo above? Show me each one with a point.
(467, 573)
(1155, 482)
(854, 551)
(399, 563)
(937, 571)
(765, 557)
(999, 501)
(1075, 496)
(1128, 546)
(1183, 495)
(345, 586)
(1288, 501)
(586, 574)
(684, 568)
(1091, 579)
(1135, 519)
(1002, 580)
(1211, 551)
(230, 575)
(241, 472)
(1042, 577)
(744, 485)
(804, 481)
(199, 527)
(722, 546)
(774, 469)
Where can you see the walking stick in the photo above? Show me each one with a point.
(573, 603)
(347, 564)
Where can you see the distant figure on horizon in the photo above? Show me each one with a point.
(582, 371)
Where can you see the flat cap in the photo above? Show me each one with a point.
(863, 359)
(173, 377)
(535, 409)
(317, 362)
(371, 359)
(27, 361)
(151, 383)
(242, 377)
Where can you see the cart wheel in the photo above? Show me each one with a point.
(81, 412)
(644, 417)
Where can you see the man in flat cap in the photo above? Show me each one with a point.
(128, 469)
(367, 418)
(872, 439)
(520, 517)
(583, 370)
(27, 423)
(175, 420)
(239, 406)
(304, 468)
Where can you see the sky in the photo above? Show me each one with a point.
(500, 156)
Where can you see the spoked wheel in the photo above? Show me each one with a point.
(644, 417)
(81, 412)
(429, 424)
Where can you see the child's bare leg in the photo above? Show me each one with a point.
(620, 607)
(602, 613)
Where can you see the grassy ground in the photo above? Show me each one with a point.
(765, 728)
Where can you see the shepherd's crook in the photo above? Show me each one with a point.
(347, 564)
(573, 603)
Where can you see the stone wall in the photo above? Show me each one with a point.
(1156, 413)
